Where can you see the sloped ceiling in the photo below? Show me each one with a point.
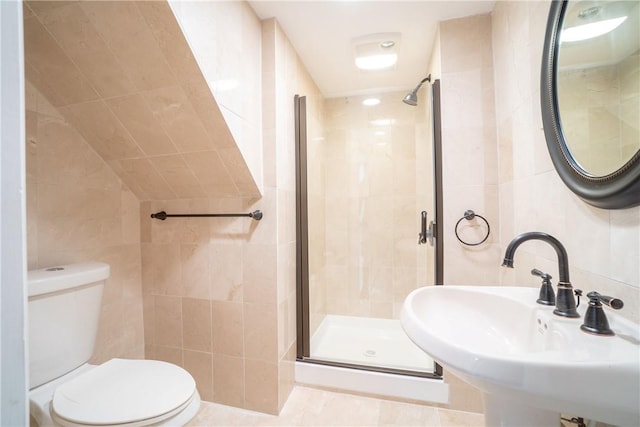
(124, 76)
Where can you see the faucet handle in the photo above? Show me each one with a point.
(546, 295)
(615, 303)
(542, 275)
(595, 320)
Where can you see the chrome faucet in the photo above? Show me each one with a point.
(565, 301)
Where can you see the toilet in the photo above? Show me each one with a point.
(65, 390)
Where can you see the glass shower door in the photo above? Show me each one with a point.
(366, 174)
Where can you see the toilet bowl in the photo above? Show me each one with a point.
(65, 390)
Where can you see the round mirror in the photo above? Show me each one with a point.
(591, 99)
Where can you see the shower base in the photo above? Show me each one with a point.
(368, 341)
(375, 343)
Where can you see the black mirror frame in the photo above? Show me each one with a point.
(618, 190)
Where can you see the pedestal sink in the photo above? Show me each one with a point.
(530, 364)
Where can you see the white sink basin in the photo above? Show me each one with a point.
(531, 364)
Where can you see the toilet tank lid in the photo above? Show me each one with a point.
(62, 277)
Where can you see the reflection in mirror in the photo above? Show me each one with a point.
(598, 83)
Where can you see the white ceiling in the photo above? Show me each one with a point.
(322, 33)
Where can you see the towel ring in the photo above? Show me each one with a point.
(469, 215)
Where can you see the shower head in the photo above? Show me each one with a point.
(412, 97)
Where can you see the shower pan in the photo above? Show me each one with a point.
(367, 168)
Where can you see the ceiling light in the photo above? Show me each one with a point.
(370, 102)
(376, 62)
(376, 51)
(591, 30)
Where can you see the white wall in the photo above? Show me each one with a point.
(13, 352)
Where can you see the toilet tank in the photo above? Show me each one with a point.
(64, 309)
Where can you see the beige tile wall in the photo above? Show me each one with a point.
(372, 211)
(603, 245)
(470, 175)
(210, 301)
(78, 210)
(123, 75)
(233, 71)
(219, 294)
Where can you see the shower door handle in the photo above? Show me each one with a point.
(426, 232)
(422, 236)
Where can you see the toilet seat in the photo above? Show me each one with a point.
(123, 393)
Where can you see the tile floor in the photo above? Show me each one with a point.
(312, 407)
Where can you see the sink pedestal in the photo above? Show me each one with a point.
(500, 411)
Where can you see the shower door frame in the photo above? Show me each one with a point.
(303, 342)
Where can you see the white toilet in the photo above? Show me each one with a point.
(64, 308)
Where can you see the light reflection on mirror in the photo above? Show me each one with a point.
(598, 83)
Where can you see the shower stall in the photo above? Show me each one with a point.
(368, 166)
